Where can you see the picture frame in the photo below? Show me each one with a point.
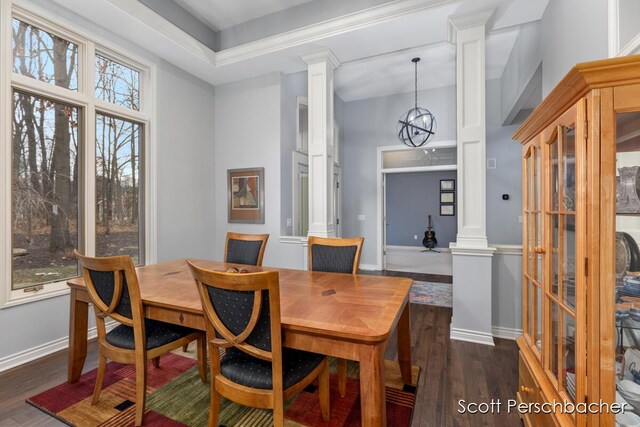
(245, 195)
(447, 185)
(448, 210)
(447, 197)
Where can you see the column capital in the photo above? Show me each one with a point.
(464, 20)
(324, 55)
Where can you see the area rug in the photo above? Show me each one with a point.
(431, 293)
(177, 397)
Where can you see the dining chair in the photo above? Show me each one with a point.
(336, 255)
(112, 285)
(245, 248)
(242, 315)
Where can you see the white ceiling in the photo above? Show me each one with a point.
(223, 14)
(374, 46)
(393, 73)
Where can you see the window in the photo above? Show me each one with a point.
(44, 56)
(73, 154)
(45, 190)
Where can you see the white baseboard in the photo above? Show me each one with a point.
(506, 333)
(25, 356)
(369, 267)
(471, 336)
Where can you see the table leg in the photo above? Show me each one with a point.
(372, 395)
(404, 344)
(78, 323)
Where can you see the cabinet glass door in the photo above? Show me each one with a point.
(560, 282)
(534, 265)
(626, 283)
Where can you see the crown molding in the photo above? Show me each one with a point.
(465, 20)
(332, 27)
(324, 55)
(147, 17)
(153, 20)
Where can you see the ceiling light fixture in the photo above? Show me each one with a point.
(417, 126)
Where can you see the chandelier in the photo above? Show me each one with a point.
(417, 126)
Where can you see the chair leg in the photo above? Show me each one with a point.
(141, 387)
(102, 367)
(214, 403)
(278, 414)
(202, 357)
(185, 348)
(323, 389)
(156, 362)
(342, 376)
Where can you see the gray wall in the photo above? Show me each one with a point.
(184, 147)
(503, 225)
(293, 86)
(248, 134)
(410, 198)
(522, 74)
(506, 290)
(572, 31)
(369, 124)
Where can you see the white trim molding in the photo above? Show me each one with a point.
(506, 333)
(466, 20)
(472, 336)
(615, 49)
(22, 357)
(331, 27)
(413, 248)
(503, 249)
(369, 267)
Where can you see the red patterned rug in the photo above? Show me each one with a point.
(177, 397)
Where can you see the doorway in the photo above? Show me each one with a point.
(408, 192)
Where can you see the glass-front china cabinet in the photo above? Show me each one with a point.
(580, 349)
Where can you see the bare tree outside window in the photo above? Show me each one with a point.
(45, 190)
(44, 161)
(117, 83)
(44, 56)
(117, 187)
(47, 176)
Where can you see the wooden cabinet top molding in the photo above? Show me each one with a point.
(581, 79)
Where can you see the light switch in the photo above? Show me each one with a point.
(288, 222)
(360, 217)
(520, 219)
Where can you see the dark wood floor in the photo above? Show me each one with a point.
(451, 370)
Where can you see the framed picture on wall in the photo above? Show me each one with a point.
(448, 197)
(245, 188)
(448, 210)
(447, 185)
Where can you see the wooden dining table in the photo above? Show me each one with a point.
(341, 315)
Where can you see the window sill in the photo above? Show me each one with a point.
(19, 297)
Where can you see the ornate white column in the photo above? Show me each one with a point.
(320, 94)
(471, 254)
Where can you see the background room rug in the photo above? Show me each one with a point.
(177, 397)
(431, 293)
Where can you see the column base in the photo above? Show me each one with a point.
(472, 313)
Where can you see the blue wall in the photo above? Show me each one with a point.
(411, 197)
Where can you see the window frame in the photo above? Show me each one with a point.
(84, 98)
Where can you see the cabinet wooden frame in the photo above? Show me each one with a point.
(589, 97)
